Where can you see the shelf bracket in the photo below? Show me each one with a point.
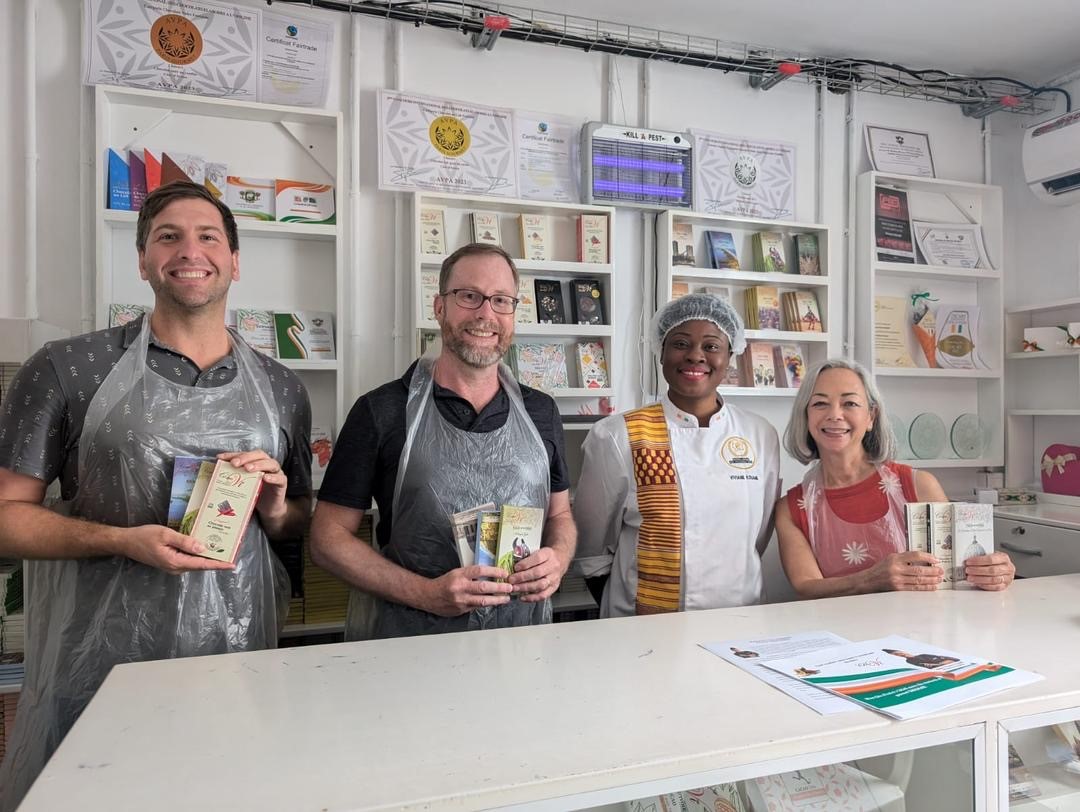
(316, 142)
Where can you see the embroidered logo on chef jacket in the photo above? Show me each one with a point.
(738, 453)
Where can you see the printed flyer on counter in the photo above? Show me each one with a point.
(751, 656)
(900, 677)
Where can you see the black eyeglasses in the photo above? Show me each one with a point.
(474, 300)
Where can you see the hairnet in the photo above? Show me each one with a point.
(698, 307)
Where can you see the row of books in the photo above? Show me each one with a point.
(498, 536)
(294, 335)
(800, 310)
(765, 365)
(543, 366)
(540, 301)
(288, 201)
(952, 532)
(769, 251)
(533, 229)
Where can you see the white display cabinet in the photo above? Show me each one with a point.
(1044, 394)
(1039, 759)
(816, 346)
(947, 393)
(563, 266)
(605, 713)
(283, 266)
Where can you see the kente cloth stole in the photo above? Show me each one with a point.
(659, 546)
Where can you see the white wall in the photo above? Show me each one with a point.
(523, 75)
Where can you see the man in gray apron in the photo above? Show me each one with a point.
(456, 432)
(107, 413)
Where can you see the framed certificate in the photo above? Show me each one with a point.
(951, 245)
(899, 152)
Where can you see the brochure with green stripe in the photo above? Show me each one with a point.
(901, 677)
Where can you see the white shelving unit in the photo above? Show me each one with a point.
(814, 346)
(1044, 394)
(283, 266)
(562, 234)
(948, 393)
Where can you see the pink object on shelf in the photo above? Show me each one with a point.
(1061, 469)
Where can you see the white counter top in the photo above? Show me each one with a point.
(494, 718)
(1048, 513)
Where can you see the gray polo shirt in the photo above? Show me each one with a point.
(42, 414)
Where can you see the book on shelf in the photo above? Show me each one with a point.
(257, 328)
(679, 289)
(250, 197)
(526, 312)
(682, 244)
(891, 318)
(428, 341)
(762, 308)
(298, 201)
(464, 524)
(216, 179)
(137, 176)
(225, 510)
(429, 289)
(153, 170)
(432, 230)
(734, 374)
(892, 226)
(182, 166)
(305, 334)
(593, 239)
(806, 251)
(760, 371)
(722, 253)
(549, 301)
(806, 315)
(586, 301)
(119, 182)
(535, 240)
(121, 314)
(793, 364)
(770, 255)
(485, 227)
(541, 365)
(829, 787)
(521, 531)
(184, 475)
(487, 538)
(592, 365)
(719, 291)
(952, 532)
(322, 447)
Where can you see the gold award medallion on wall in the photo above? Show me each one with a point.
(176, 39)
(738, 453)
(450, 136)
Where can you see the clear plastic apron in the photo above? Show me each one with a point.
(843, 548)
(444, 470)
(84, 616)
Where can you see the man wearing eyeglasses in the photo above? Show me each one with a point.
(455, 432)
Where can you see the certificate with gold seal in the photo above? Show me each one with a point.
(225, 511)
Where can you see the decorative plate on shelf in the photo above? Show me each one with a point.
(900, 432)
(927, 436)
(967, 436)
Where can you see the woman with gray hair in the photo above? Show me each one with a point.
(674, 503)
(842, 530)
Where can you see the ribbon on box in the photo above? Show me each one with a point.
(1032, 346)
(1070, 339)
(1049, 463)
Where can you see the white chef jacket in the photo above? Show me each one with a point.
(729, 481)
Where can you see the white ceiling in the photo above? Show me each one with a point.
(1034, 41)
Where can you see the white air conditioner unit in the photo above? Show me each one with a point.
(1052, 159)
